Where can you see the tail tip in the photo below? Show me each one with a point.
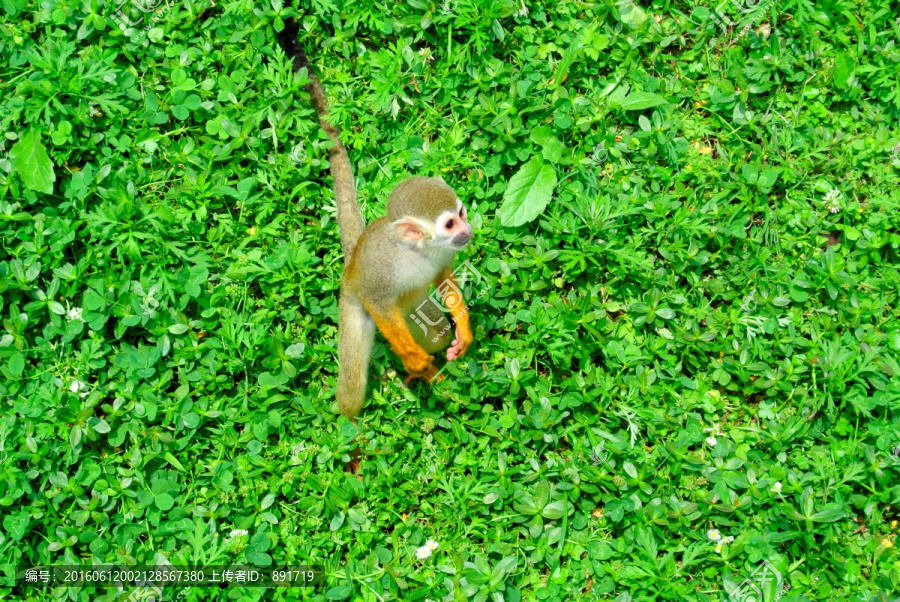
(291, 45)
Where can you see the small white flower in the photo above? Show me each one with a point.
(714, 534)
(73, 313)
(426, 54)
(522, 12)
(727, 539)
(236, 533)
(76, 386)
(833, 200)
(719, 548)
(777, 487)
(423, 552)
(711, 441)
(432, 545)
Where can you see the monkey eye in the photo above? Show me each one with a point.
(450, 224)
(462, 210)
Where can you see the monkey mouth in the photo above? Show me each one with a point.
(460, 241)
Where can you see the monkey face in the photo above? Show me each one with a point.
(426, 213)
(452, 226)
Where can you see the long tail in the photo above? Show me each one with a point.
(356, 334)
(350, 218)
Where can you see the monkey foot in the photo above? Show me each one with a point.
(433, 379)
(354, 466)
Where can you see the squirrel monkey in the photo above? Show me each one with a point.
(390, 266)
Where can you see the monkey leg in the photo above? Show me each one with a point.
(356, 335)
(393, 326)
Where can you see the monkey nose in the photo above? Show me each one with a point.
(462, 238)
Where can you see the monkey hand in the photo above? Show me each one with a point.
(459, 345)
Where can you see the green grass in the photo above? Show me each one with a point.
(688, 322)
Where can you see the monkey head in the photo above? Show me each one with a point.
(426, 212)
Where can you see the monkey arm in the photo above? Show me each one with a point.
(452, 297)
(392, 325)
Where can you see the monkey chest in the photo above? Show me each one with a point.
(411, 276)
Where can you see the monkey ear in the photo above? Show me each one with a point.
(408, 228)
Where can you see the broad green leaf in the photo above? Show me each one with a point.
(13, 7)
(17, 363)
(337, 521)
(843, 70)
(164, 501)
(267, 379)
(528, 193)
(562, 68)
(340, 592)
(665, 313)
(638, 101)
(98, 424)
(552, 149)
(767, 179)
(295, 351)
(541, 494)
(349, 430)
(30, 160)
(16, 525)
(258, 558)
(600, 550)
(831, 512)
(631, 14)
(553, 511)
(525, 505)
(630, 470)
(173, 461)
